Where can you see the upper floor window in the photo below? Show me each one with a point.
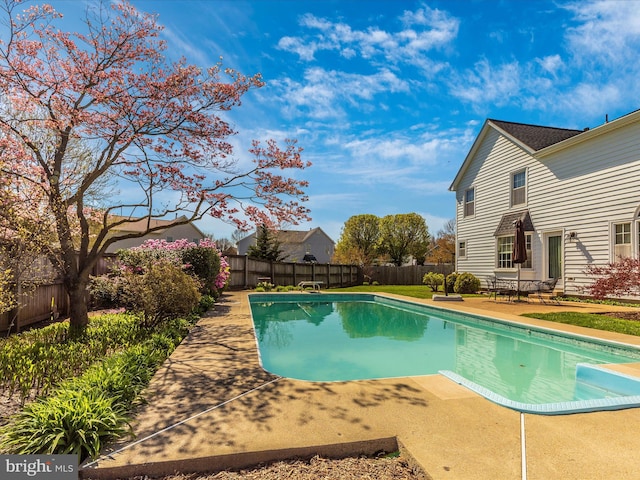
(519, 188)
(622, 240)
(469, 202)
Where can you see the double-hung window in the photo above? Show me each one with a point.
(469, 202)
(519, 188)
(462, 249)
(505, 251)
(622, 241)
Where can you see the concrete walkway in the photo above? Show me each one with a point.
(212, 406)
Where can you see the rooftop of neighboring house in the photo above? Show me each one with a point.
(295, 236)
(140, 224)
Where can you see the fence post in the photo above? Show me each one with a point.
(246, 271)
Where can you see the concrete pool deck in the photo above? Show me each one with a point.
(211, 406)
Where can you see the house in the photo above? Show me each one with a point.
(169, 233)
(296, 245)
(577, 192)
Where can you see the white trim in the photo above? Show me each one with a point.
(466, 248)
(612, 238)
(546, 234)
(464, 202)
(628, 119)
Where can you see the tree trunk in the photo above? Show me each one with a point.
(78, 312)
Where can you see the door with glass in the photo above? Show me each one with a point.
(554, 256)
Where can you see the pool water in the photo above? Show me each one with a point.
(340, 337)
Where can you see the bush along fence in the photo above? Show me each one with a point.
(248, 272)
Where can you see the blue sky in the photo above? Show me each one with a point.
(386, 97)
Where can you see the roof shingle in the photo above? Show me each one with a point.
(534, 136)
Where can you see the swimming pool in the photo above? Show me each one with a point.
(341, 337)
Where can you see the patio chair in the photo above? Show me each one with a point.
(545, 287)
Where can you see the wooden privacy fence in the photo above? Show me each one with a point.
(44, 301)
(409, 275)
(248, 272)
(51, 299)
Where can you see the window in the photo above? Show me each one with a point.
(469, 202)
(505, 252)
(505, 248)
(462, 249)
(519, 188)
(622, 240)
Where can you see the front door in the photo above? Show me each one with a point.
(554, 251)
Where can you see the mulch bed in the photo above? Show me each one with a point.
(624, 315)
(363, 468)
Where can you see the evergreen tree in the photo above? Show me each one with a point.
(267, 246)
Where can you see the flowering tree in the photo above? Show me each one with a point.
(80, 110)
(621, 278)
(203, 260)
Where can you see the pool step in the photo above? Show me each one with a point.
(607, 380)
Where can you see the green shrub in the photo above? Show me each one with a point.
(451, 281)
(37, 360)
(71, 421)
(265, 286)
(206, 303)
(163, 292)
(83, 413)
(204, 263)
(466, 283)
(105, 291)
(433, 280)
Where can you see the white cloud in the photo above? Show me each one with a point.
(305, 51)
(487, 83)
(425, 29)
(400, 161)
(321, 94)
(608, 32)
(551, 64)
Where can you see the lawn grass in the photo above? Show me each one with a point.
(591, 320)
(416, 291)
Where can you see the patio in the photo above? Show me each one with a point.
(212, 407)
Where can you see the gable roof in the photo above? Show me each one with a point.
(531, 138)
(508, 220)
(542, 141)
(136, 225)
(293, 237)
(536, 137)
(299, 236)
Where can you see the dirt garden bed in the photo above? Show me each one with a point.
(384, 468)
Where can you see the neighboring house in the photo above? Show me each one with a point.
(295, 245)
(577, 191)
(170, 233)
